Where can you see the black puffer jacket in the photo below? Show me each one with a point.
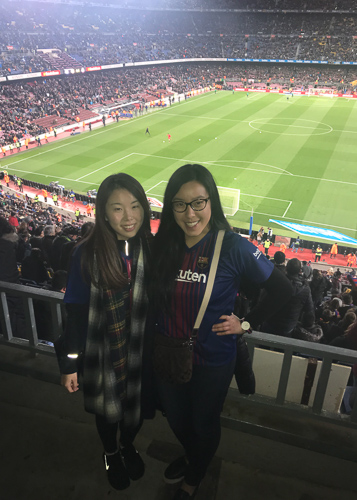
(286, 319)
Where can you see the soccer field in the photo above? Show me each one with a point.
(291, 159)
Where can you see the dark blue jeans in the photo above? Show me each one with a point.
(193, 412)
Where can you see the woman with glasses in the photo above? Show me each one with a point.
(191, 218)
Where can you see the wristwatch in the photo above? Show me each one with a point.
(246, 327)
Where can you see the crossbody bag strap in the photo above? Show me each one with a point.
(210, 282)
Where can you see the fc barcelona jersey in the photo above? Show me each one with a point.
(239, 259)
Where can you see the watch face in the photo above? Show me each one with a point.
(245, 326)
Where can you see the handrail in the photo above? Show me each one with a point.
(328, 354)
(288, 346)
(28, 294)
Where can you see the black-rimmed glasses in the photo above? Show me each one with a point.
(196, 205)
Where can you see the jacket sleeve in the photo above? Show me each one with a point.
(308, 305)
(277, 290)
(73, 339)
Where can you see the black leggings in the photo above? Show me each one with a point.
(108, 433)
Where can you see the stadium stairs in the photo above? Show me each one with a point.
(51, 450)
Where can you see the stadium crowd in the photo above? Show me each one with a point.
(36, 243)
(35, 37)
(37, 234)
(23, 104)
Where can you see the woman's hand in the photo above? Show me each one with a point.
(230, 325)
(70, 382)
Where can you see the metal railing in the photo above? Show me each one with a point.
(27, 294)
(288, 347)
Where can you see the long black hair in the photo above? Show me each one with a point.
(102, 240)
(169, 243)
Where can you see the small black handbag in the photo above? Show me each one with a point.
(172, 358)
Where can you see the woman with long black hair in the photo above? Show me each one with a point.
(106, 303)
(191, 218)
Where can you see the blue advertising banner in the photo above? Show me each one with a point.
(316, 232)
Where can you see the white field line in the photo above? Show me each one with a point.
(284, 125)
(105, 166)
(50, 176)
(215, 163)
(79, 178)
(249, 121)
(211, 164)
(155, 187)
(242, 194)
(302, 220)
(88, 135)
(287, 209)
(265, 197)
(252, 169)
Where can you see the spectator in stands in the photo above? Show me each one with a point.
(36, 240)
(34, 267)
(334, 305)
(348, 340)
(69, 246)
(59, 281)
(286, 319)
(13, 220)
(308, 330)
(49, 236)
(279, 261)
(8, 245)
(334, 330)
(191, 218)
(353, 287)
(68, 234)
(106, 306)
(306, 270)
(326, 321)
(23, 247)
(347, 304)
(318, 286)
(9, 273)
(336, 285)
(42, 309)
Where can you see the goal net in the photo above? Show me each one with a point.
(229, 199)
(322, 92)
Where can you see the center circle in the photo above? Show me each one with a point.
(290, 126)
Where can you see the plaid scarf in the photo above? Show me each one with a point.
(114, 346)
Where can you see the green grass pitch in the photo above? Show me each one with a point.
(291, 159)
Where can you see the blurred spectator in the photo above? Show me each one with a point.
(348, 340)
(318, 286)
(284, 322)
(8, 245)
(336, 330)
(34, 267)
(347, 304)
(49, 236)
(306, 270)
(279, 261)
(308, 330)
(68, 247)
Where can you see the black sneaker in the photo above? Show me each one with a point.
(117, 474)
(133, 462)
(175, 472)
